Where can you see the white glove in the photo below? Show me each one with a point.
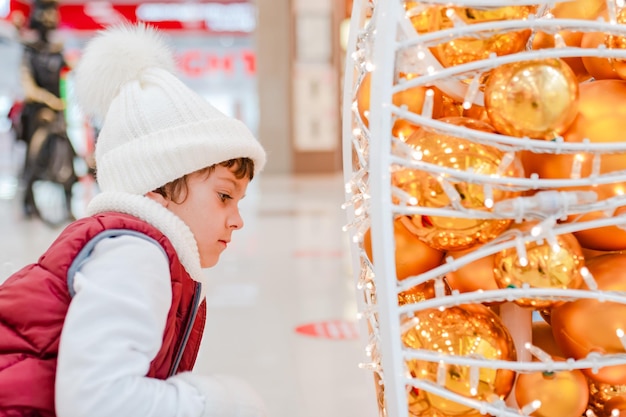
(225, 396)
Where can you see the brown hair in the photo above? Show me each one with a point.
(240, 167)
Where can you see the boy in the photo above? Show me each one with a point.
(108, 322)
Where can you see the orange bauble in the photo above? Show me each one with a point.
(587, 325)
(544, 339)
(413, 98)
(562, 393)
(412, 256)
(599, 68)
(474, 276)
(601, 115)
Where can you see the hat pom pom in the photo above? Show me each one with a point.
(116, 56)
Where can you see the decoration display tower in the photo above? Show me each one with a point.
(485, 171)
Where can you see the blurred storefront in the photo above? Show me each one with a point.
(274, 64)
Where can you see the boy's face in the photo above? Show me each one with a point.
(211, 210)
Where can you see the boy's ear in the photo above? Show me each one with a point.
(158, 198)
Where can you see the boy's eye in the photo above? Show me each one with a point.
(224, 197)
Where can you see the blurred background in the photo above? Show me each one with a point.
(282, 303)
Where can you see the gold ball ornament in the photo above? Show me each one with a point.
(536, 98)
(451, 233)
(545, 266)
(601, 115)
(601, 395)
(421, 292)
(562, 393)
(468, 49)
(588, 325)
(413, 98)
(462, 330)
(618, 42)
(412, 256)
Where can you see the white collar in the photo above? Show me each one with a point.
(158, 216)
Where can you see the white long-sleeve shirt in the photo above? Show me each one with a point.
(113, 329)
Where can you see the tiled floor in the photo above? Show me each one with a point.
(281, 303)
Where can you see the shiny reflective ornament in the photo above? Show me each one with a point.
(421, 292)
(537, 99)
(413, 98)
(474, 276)
(412, 256)
(432, 190)
(562, 393)
(544, 266)
(463, 330)
(470, 48)
(615, 407)
(618, 42)
(576, 9)
(588, 325)
(453, 108)
(601, 115)
(603, 394)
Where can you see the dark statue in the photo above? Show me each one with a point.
(49, 153)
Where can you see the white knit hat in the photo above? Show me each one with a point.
(154, 128)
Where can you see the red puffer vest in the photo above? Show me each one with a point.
(34, 302)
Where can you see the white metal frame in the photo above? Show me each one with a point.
(381, 45)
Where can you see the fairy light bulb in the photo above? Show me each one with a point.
(621, 336)
(538, 353)
(488, 190)
(427, 109)
(577, 165)
(531, 407)
(441, 373)
(588, 278)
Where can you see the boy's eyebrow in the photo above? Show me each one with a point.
(233, 182)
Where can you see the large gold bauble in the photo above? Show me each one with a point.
(601, 115)
(562, 393)
(463, 330)
(537, 98)
(588, 325)
(413, 98)
(450, 233)
(412, 256)
(546, 267)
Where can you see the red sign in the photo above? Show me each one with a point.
(331, 329)
(234, 17)
(197, 62)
